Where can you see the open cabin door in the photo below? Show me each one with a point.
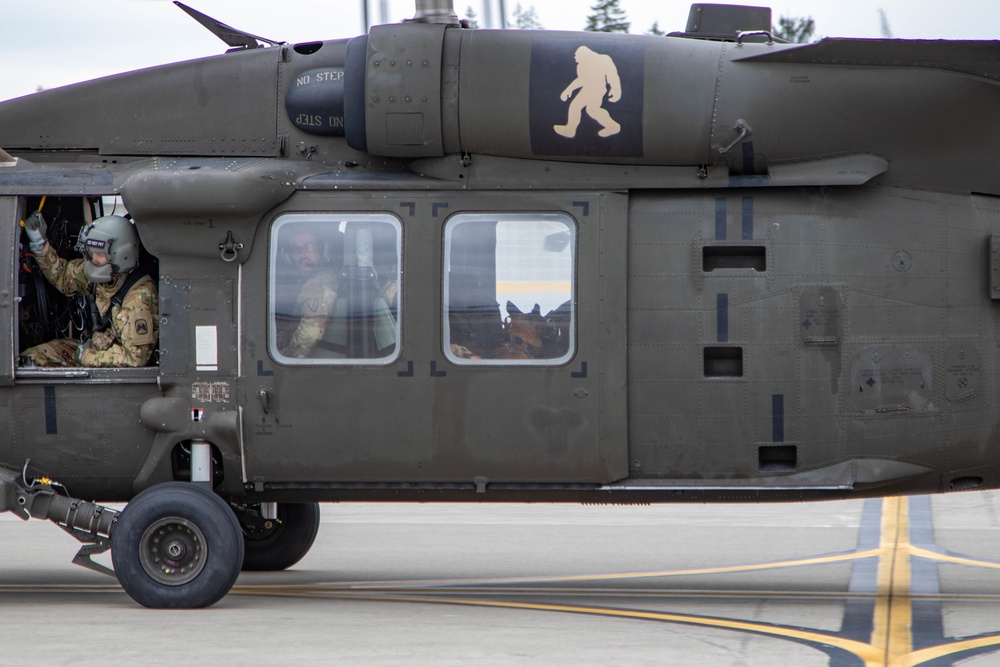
(47, 414)
(10, 216)
(416, 338)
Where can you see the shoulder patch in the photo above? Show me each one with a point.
(142, 330)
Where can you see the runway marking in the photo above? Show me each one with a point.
(948, 558)
(893, 616)
(935, 652)
(866, 652)
(350, 591)
(891, 643)
(727, 569)
(894, 606)
(883, 593)
(383, 592)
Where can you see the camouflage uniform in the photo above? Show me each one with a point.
(129, 339)
(314, 308)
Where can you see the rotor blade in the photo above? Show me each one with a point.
(972, 58)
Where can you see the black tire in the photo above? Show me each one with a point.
(177, 546)
(284, 544)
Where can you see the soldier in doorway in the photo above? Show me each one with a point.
(122, 297)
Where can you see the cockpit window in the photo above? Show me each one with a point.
(334, 289)
(508, 288)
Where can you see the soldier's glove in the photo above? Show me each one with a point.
(101, 341)
(84, 346)
(36, 228)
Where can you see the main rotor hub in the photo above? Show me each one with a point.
(436, 11)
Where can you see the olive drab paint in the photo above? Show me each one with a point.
(434, 263)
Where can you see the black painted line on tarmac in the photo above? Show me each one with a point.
(928, 618)
(859, 614)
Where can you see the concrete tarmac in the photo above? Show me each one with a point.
(883, 582)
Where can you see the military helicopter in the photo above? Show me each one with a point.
(434, 263)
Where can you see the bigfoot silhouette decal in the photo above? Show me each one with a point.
(596, 80)
(603, 84)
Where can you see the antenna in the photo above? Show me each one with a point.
(238, 39)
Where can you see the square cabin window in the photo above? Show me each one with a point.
(334, 289)
(508, 288)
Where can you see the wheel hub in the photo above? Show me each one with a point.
(173, 551)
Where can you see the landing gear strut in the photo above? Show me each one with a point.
(277, 544)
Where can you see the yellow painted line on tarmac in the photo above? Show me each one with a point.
(893, 622)
(871, 655)
(510, 592)
(800, 562)
(891, 643)
(957, 560)
(934, 652)
(892, 628)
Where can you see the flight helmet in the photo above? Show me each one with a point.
(116, 237)
(331, 242)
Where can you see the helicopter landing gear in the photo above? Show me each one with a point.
(177, 545)
(277, 544)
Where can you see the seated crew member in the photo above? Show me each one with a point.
(317, 296)
(364, 318)
(122, 299)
